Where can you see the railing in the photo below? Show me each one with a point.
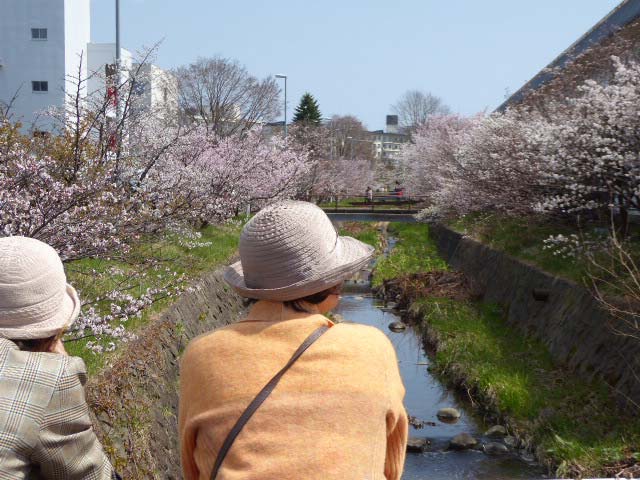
(381, 202)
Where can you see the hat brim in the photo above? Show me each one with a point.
(350, 256)
(63, 319)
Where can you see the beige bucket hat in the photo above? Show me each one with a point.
(35, 299)
(290, 250)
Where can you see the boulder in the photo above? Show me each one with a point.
(510, 441)
(495, 448)
(417, 444)
(397, 326)
(462, 441)
(497, 431)
(448, 414)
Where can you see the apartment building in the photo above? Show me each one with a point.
(387, 143)
(43, 45)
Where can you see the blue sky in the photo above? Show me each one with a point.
(358, 57)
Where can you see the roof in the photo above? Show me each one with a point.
(624, 14)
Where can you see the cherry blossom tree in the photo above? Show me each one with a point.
(328, 172)
(100, 184)
(592, 156)
(430, 163)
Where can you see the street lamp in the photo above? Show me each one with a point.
(285, 103)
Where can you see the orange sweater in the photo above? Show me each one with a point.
(336, 414)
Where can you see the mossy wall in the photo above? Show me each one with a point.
(135, 400)
(578, 333)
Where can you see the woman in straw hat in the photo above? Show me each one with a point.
(284, 393)
(45, 429)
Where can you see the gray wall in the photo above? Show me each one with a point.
(577, 332)
(135, 400)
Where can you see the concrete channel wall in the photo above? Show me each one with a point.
(560, 313)
(135, 400)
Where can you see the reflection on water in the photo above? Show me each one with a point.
(424, 397)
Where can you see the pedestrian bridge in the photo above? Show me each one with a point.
(363, 216)
(389, 207)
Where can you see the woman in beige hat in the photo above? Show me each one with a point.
(45, 429)
(284, 393)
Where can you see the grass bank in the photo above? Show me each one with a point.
(371, 233)
(172, 260)
(575, 425)
(384, 202)
(523, 238)
(412, 253)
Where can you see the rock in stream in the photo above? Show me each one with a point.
(495, 448)
(417, 444)
(497, 431)
(462, 441)
(397, 327)
(448, 414)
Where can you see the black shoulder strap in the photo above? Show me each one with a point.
(261, 397)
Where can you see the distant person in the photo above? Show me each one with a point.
(369, 195)
(45, 429)
(398, 191)
(337, 412)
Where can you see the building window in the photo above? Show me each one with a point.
(39, 86)
(38, 34)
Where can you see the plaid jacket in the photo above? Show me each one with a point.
(45, 430)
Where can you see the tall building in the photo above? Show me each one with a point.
(43, 43)
(387, 144)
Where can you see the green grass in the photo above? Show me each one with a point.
(414, 252)
(358, 202)
(367, 232)
(523, 238)
(343, 202)
(575, 424)
(168, 255)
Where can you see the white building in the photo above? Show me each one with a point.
(102, 57)
(388, 143)
(41, 46)
(154, 87)
(157, 88)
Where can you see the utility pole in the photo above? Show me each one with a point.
(117, 89)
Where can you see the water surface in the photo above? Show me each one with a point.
(424, 397)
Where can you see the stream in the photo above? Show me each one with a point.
(425, 395)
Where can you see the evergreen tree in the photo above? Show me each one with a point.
(307, 111)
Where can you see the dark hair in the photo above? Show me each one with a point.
(314, 299)
(35, 344)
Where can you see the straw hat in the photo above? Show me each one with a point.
(290, 250)
(35, 299)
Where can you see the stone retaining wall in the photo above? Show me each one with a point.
(135, 400)
(577, 332)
